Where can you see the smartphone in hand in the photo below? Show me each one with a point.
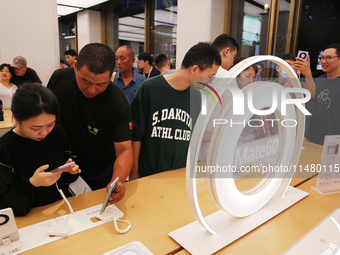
(108, 194)
(62, 167)
(303, 54)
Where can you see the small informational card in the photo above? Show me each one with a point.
(329, 170)
(323, 239)
(79, 187)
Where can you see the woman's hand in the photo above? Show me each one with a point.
(42, 178)
(73, 169)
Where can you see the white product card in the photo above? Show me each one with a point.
(79, 221)
(79, 187)
(329, 170)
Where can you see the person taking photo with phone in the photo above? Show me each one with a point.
(326, 109)
(300, 66)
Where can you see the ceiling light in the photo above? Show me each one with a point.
(80, 3)
(266, 7)
(65, 10)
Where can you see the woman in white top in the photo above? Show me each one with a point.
(7, 89)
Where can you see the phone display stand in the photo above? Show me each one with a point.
(133, 248)
(112, 213)
(9, 235)
(36, 235)
(9, 248)
(241, 212)
(60, 226)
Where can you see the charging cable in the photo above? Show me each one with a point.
(111, 213)
(60, 226)
(65, 199)
(115, 219)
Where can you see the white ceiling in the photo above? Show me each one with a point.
(80, 3)
(66, 7)
(66, 10)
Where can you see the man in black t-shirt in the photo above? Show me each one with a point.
(325, 118)
(96, 117)
(23, 74)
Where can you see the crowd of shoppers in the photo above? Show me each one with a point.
(120, 123)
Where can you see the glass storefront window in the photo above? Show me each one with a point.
(282, 28)
(67, 34)
(164, 32)
(249, 27)
(126, 26)
(125, 23)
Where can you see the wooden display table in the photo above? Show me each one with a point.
(158, 204)
(7, 124)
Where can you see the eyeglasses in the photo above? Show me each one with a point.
(211, 76)
(327, 58)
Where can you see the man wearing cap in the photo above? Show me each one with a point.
(23, 74)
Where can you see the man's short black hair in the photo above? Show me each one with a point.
(161, 60)
(202, 54)
(288, 56)
(223, 41)
(146, 57)
(335, 46)
(98, 58)
(71, 52)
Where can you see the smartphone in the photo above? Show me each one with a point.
(108, 194)
(303, 54)
(8, 226)
(62, 167)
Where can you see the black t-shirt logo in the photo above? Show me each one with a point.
(92, 130)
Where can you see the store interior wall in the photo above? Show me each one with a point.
(197, 21)
(88, 28)
(30, 29)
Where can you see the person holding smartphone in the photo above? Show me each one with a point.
(300, 66)
(96, 117)
(30, 150)
(325, 119)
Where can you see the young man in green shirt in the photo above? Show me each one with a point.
(163, 116)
